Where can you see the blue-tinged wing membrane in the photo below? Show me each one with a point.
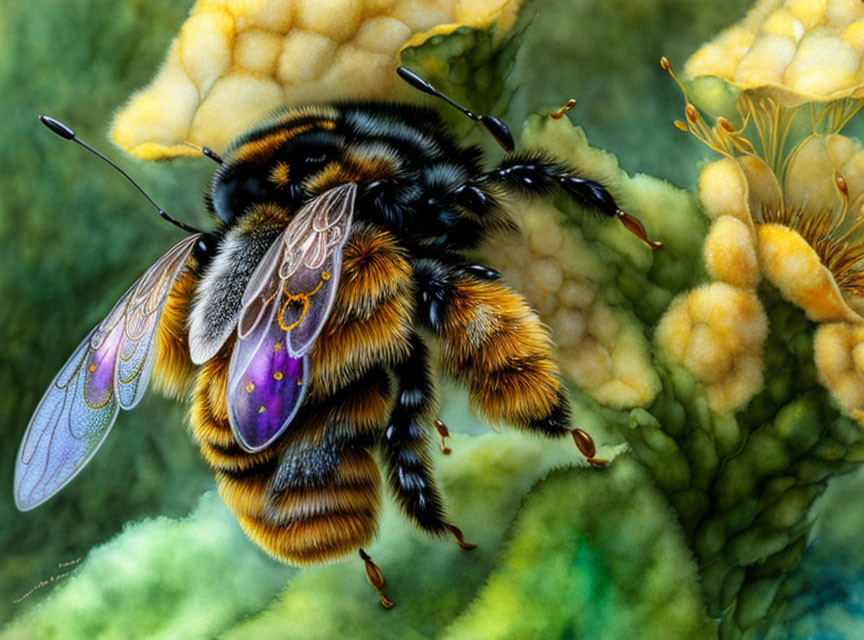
(109, 370)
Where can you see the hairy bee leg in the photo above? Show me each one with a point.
(405, 445)
(376, 578)
(536, 176)
(494, 341)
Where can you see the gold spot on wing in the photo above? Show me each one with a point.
(250, 387)
(278, 375)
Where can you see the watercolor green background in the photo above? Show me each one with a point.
(564, 552)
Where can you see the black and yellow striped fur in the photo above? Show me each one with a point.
(422, 200)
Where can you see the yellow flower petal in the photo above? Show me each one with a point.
(730, 254)
(840, 13)
(810, 12)
(720, 57)
(784, 23)
(766, 61)
(764, 191)
(810, 185)
(823, 65)
(794, 267)
(235, 61)
(723, 191)
(852, 171)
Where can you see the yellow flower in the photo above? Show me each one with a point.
(235, 61)
(801, 199)
(795, 51)
(808, 233)
(790, 191)
(717, 333)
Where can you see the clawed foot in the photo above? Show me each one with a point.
(585, 444)
(457, 533)
(444, 432)
(376, 578)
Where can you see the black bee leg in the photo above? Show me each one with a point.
(536, 176)
(376, 578)
(405, 445)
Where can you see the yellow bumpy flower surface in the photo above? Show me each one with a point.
(730, 254)
(601, 349)
(839, 355)
(801, 50)
(717, 332)
(235, 61)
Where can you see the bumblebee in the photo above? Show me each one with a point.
(301, 324)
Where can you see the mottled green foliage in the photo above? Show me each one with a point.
(158, 576)
(601, 579)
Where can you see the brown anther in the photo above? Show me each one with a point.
(726, 124)
(664, 64)
(444, 433)
(635, 227)
(691, 113)
(585, 443)
(560, 112)
(597, 463)
(840, 181)
(457, 533)
(376, 578)
(681, 125)
(743, 144)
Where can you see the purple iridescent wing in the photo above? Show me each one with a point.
(286, 304)
(109, 370)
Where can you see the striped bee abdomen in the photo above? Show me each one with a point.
(314, 494)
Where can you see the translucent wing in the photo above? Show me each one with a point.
(286, 304)
(109, 370)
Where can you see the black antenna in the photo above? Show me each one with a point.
(207, 151)
(493, 125)
(66, 133)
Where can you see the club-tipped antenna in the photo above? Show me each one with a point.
(494, 126)
(67, 134)
(207, 151)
